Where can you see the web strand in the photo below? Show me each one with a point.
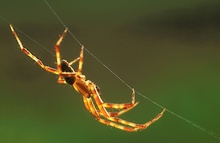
(63, 23)
(6, 21)
(125, 83)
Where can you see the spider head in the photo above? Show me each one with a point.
(65, 67)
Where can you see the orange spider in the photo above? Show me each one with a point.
(89, 90)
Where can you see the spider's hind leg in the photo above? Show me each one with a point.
(123, 107)
(91, 108)
(114, 114)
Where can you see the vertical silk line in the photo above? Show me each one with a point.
(125, 83)
(63, 23)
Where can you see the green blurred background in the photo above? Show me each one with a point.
(168, 50)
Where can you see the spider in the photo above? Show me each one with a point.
(89, 91)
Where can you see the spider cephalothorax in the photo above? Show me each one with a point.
(90, 91)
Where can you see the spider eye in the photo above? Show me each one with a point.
(97, 88)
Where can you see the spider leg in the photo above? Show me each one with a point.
(102, 106)
(61, 81)
(57, 49)
(28, 53)
(111, 114)
(72, 62)
(137, 126)
(117, 122)
(86, 103)
(79, 72)
(114, 114)
(97, 98)
(112, 118)
(123, 105)
(91, 108)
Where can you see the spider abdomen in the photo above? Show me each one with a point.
(65, 67)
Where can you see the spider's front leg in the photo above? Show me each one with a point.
(70, 72)
(57, 49)
(79, 72)
(28, 53)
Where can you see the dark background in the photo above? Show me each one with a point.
(167, 50)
